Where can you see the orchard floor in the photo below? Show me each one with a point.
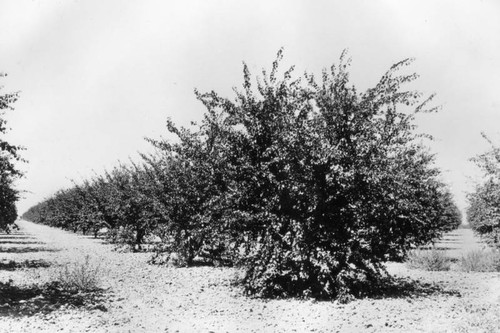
(139, 297)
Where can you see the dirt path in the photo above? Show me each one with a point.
(460, 241)
(145, 298)
(457, 243)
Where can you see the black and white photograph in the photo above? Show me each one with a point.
(222, 166)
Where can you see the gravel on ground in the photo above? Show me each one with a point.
(139, 297)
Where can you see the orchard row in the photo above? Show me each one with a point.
(306, 183)
(8, 172)
(483, 213)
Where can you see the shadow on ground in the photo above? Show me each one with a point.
(16, 237)
(439, 248)
(403, 287)
(19, 242)
(26, 249)
(11, 265)
(16, 301)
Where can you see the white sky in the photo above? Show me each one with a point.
(98, 76)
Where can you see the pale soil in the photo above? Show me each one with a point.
(140, 297)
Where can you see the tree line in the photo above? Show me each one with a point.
(303, 181)
(483, 212)
(9, 153)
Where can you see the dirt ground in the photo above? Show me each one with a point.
(139, 297)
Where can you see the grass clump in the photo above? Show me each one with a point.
(80, 276)
(480, 261)
(429, 260)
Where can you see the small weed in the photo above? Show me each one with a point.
(429, 260)
(80, 276)
(480, 261)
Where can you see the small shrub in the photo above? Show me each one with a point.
(429, 260)
(480, 261)
(80, 276)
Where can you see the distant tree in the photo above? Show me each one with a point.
(451, 218)
(130, 198)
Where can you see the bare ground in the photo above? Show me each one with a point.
(139, 297)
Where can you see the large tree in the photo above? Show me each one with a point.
(318, 184)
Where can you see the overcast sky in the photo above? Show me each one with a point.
(98, 76)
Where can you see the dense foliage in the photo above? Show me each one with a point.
(451, 218)
(307, 183)
(117, 201)
(8, 172)
(483, 213)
